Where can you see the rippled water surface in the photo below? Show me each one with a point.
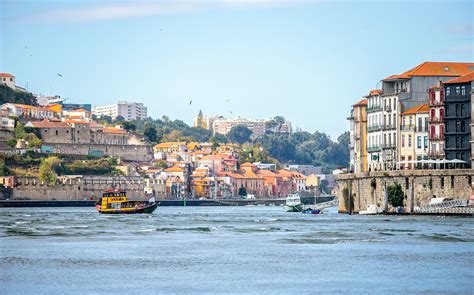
(232, 250)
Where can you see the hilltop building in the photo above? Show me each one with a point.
(200, 121)
(8, 80)
(128, 110)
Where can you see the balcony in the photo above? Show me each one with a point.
(374, 148)
(389, 126)
(374, 128)
(435, 119)
(388, 146)
(375, 108)
(407, 128)
(436, 103)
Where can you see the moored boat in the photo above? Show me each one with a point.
(311, 211)
(293, 203)
(116, 202)
(371, 210)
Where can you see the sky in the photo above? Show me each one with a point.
(308, 61)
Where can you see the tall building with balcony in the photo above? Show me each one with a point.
(407, 90)
(359, 119)
(374, 130)
(413, 136)
(457, 104)
(436, 122)
(128, 110)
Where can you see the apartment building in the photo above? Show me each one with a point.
(128, 110)
(374, 130)
(458, 108)
(359, 136)
(436, 122)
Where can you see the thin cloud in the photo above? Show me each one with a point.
(463, 49)
(462, 29)
(121, 11)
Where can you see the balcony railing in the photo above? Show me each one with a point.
(374, 108)
(435, 119)
(374, 128)
(407, 128)
(389, 126)
(388, 146)
(374, 148)
(436, 103)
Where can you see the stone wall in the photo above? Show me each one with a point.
(141, 153)
(369, 188)
(76, 188)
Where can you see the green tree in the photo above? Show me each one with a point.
(151, 134)
(129, 126)
(48, 169)
(8, 95)
(395, 195)
(240, 134)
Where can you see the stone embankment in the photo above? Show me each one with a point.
(356, 191)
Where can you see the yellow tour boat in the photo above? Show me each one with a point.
(115, 202)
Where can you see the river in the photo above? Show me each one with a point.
(232, 250)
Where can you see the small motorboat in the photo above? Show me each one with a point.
(115, 202)
(311, 211)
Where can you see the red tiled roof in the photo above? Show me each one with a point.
(113, 130)
(463, 79)
(435, 69)
(247, 164)
(375, 91)
(363, 102)
(6, 75)
(49, 124)
(424, 108)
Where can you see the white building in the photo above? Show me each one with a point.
(8, 80)
(127, 110)
(224, 125)
(374, 130)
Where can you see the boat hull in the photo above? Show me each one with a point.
(145, 210)
(293, 208)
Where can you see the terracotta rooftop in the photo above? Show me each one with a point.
(362, 102)
(6, 75)
(463, 79)
(247, 164)
(112, 130)
(435, 69)
(48, 124)
(174, 169)
(169, 144)
(375, 91)
(424, 108)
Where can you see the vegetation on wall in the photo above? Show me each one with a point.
(395, 195)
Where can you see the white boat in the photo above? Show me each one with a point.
(371, 210)
(293, 203)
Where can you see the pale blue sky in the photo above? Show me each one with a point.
(307, 61)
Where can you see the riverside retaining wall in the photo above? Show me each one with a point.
(419, 187)
(74, 188)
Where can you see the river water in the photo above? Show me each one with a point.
(232, 250)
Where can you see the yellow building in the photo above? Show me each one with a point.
(360, 136)
(412, 124)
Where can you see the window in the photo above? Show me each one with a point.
(403, 140)
(56, 132)
(458, 90)
(403, 122)
(426, 124)
(462, 110)
(409, 140)
(425, 142)
(394, 104)
(463, 126)
(420, 124)
(462, 142)
(463, 90)
(458, 142)
(410, 121)
(458, 126)
(448, 91)
(441, 114)
(418, 142)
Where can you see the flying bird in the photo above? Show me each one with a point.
(227, 100)
(60, 75)
(230, 112)
(190, 102)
